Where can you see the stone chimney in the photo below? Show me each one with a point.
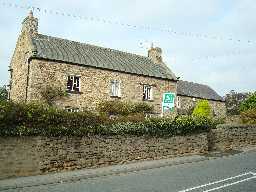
(155, 54)
(30, 25)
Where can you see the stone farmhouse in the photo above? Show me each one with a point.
(91, 74)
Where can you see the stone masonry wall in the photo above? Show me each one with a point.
(187, 103)
(227, 137)
(19, 66)
(95, 84)
(23, 156)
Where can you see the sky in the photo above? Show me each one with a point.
(211, 42)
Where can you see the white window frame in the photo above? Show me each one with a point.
(115, 90)
(178, 102)
(72, 109)
(148, 92)
(76, 79)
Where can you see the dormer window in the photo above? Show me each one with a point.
(73, 83)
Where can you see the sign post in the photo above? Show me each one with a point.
(168, 102)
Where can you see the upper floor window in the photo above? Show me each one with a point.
(115, 88)
(73, 83)
(147, 92)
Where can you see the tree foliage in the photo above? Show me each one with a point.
(233, 101)
(249, 103)
(3, 94)
(203, 109)
(51, 93)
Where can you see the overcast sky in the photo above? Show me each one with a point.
(213, 41)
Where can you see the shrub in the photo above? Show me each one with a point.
(249, 116)
(51, 93)
(136, 117)
(34, 115)
(37, 119)
(203, 109)
(123, 108)
(249, 103)
(3, 94)
(142, 107)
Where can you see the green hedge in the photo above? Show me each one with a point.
(124, 108)
(35, 115)
(39, 120)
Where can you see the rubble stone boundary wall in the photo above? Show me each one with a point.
(23, 156)
(227, 137)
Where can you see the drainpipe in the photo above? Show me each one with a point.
(26, 97)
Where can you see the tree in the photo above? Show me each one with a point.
(3, 94)
(202, 108)
(249, 103)
(51, 93)
(233, 101)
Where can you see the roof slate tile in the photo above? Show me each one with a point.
(53, 48)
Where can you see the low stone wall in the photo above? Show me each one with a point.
(23, 156)
(230, 136)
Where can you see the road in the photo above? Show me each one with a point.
(234, 173)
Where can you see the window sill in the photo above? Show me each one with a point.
(74, 92)
(118, 97)
(148, 100)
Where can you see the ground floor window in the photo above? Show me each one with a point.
(72, 109)
(178, 102)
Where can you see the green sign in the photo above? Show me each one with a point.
(168, 102)
(168, 98)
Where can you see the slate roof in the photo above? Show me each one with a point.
(52, 48)
(191, 89)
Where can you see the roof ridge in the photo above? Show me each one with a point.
(97, 46)
(196, 83)
(192, 85)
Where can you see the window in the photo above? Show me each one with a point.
(115, 88)
(73, 83)
(72, 109)
(147, 92)
(178, 102)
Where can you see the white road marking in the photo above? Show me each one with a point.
(229, 184)
(216, 182)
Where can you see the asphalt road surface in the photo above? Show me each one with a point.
(234, 173)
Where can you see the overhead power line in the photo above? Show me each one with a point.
(140, 27)
(234, 53)
(230, 53)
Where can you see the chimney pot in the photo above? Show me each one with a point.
(155, 54)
